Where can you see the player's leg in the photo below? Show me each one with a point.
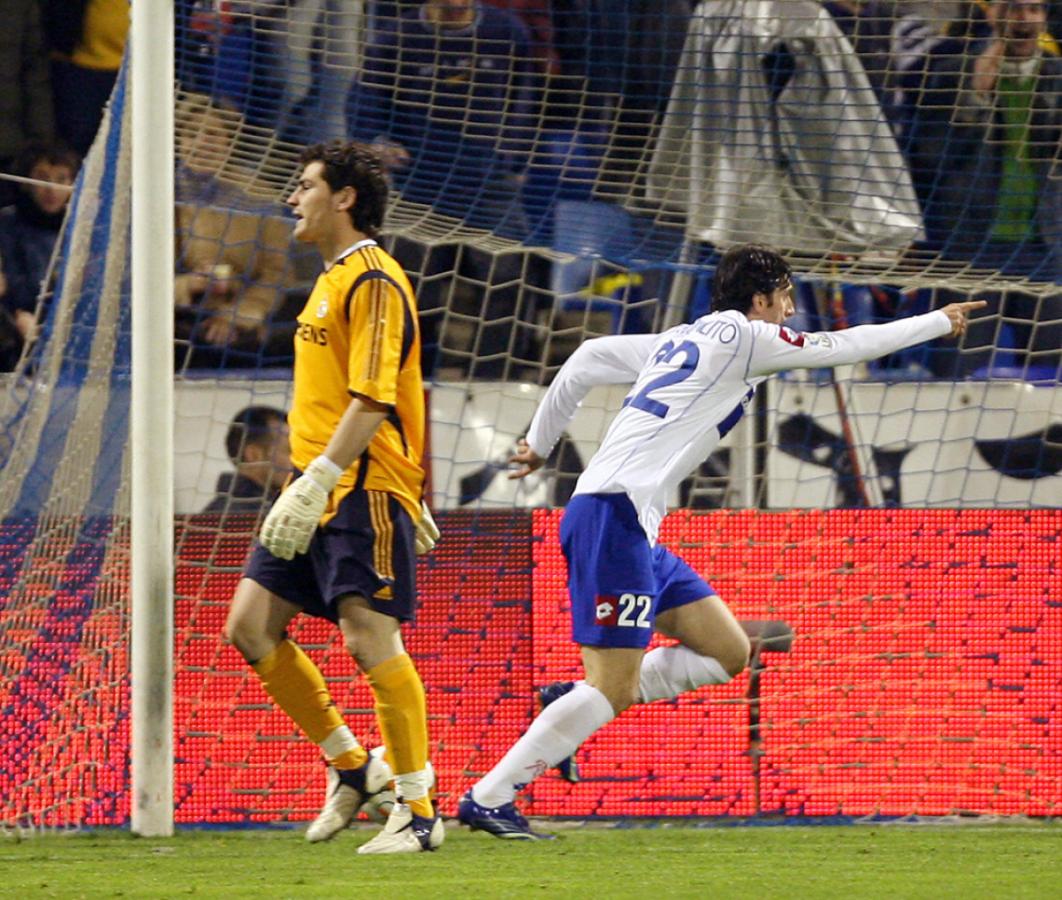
(614, 673)
(368, 565)
(567, 768)
(256, 627)
(713, 649)
(611, 685)
(257, 623)
(611, 584)
(374, 640)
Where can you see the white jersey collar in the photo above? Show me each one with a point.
(357, 245)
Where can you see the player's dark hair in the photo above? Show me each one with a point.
(251, 425)
(348, 164)
(746, 271)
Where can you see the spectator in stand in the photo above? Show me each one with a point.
(538, 16)
(448, 98)
(284, 64)
(257, 444)
(232, 56)
(25, 94)
(559, 32)
(28, 231)
(233, 242)
(448, 93)
(87, 38)
(990, 128)
(922, 44)
(923, 35)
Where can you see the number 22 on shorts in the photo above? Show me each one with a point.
(626, 610)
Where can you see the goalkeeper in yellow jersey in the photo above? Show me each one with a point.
(340, 541)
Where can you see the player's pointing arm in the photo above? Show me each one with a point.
(756, 281)
(777, 347)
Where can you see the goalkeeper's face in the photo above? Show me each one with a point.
(318, 210)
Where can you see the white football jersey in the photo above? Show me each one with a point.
(690, 386)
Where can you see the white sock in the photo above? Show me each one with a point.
(555, 734)
(338, 742)
(670, 671)
(415, 785)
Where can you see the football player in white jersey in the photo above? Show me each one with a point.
(690, 386)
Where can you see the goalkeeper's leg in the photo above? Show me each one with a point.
(375, 641)
(256, 626)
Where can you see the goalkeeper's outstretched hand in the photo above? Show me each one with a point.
(427, 532)
(293, 519)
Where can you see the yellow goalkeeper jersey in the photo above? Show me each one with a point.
(358, 336)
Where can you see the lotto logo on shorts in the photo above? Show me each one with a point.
(624, 611)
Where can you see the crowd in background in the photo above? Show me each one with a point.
(514, 115)
(58, 63)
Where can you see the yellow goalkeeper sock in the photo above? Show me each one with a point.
(403, 717)
(298, 687)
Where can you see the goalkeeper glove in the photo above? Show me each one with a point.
(293, 519)
(427, 532)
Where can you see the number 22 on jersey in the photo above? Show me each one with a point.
(644, 400)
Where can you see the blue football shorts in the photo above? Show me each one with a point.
(366, 549)
(617, 582)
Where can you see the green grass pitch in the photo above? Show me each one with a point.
(894, 861)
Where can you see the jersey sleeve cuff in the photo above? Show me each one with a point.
(375, 398)
(943, 322)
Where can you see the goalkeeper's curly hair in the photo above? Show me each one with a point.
(350, 164)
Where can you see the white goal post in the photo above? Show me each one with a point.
(151, 419)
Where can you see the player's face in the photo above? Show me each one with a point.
(779, 305)
(313, 203)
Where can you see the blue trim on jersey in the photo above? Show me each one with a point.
(735, 414)
(617, 581)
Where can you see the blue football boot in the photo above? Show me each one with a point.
(504, 822)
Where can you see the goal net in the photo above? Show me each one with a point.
(889, 531)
